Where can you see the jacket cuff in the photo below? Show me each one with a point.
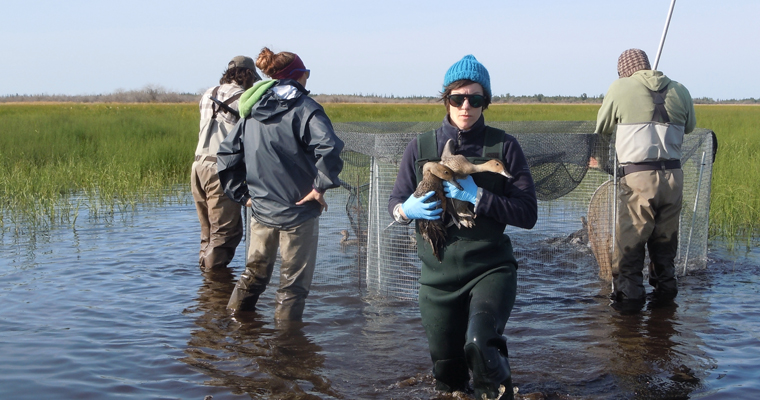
(477, 198)
(322, 191)
(398, 217)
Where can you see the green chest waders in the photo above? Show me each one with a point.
(469, 252)
(466, 298)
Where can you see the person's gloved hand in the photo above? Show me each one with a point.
(469, 191)
(417, 208)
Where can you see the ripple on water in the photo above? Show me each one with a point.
(119, 309)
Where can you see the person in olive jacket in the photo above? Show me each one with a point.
(650, 114)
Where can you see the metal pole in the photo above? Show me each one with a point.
(664, 33)
(614, 211)
(694, 214)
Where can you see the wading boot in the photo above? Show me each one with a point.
(246, 293)
(242, 300)
(487, 357)
(289, 310)
(452, 375)
(664, 281)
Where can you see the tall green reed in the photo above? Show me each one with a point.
(113, 155)
(116, 156)
(735, 199)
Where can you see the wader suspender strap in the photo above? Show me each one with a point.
(223, 104)
(660, 114)
(427, 150)
(494, 143)
(215, 110)
(427, 147)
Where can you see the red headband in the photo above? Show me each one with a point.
(294, 70)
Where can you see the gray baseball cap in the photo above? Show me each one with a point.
(242, 62)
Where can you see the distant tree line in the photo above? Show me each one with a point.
(148, 94)
(158, 94)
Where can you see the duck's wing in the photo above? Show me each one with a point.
(434, 234)
(463, 212)
(451, 216)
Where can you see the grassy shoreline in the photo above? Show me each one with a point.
(116, 155)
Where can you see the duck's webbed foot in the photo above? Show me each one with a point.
(466, 220)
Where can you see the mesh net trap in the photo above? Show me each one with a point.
(566, 255)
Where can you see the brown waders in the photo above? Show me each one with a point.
(466, 299)
(221, 222)
(298, 250)
(648, 216)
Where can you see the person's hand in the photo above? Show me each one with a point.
(317, 196)
(249, 203)
(417, 208)
(593, 163)
(468, 192)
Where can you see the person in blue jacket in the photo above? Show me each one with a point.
(466, 298)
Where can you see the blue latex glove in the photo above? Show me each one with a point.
(469, 191)
(417, 208)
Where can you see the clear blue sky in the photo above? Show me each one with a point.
(384, 47)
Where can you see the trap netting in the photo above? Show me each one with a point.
(566, 253)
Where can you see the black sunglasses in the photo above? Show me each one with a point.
(475, 100)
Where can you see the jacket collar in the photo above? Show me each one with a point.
(468, 143)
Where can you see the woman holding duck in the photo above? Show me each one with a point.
(466, 297)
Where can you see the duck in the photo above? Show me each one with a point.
(434, 231)
(462, 167)
(345, 241)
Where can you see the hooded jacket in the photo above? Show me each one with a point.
(285, 148)
(629, 106)
(628, 100)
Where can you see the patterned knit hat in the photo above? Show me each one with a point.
(468, 68)
(632, 60)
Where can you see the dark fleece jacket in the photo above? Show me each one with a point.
(517, 208)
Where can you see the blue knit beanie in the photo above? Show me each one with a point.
(468, 68)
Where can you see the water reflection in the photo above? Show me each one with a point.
(652, 360)
(247, 354)
(111, 308)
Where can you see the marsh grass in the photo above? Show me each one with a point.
(435, 112)
(735, 198)
(112, 157)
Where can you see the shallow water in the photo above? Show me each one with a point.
(116, 308)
